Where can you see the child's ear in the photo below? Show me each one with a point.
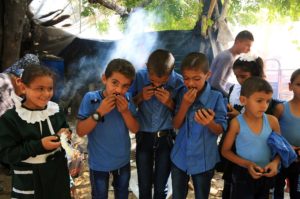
(290, 87)
(103, 78)
(243, 100)
(208, 74)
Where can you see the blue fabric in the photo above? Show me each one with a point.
(109, 142)
(246, 140)
(152, 114)
(279, 145)
(18, 67)
(201, 182)
(290, 126)
(153, 164)
(100, 183)
(195, 150)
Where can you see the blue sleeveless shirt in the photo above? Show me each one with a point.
(290, 126)
(251, 146)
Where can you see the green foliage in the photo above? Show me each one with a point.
(261, 11)
(183, 14)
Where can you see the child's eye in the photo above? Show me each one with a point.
(115, 83)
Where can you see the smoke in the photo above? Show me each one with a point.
(135, 46)
(138, 42)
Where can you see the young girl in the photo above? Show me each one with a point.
(244, 67)
(288, 114)
(29, 140)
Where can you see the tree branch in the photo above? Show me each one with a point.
(112, 5)
(121, 10)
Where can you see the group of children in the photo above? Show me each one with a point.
(151, 103)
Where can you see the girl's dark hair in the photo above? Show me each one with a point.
(121, 66)
(255, 67)
(195, 61)
(161, 62)
(33, 71)
(294, 75)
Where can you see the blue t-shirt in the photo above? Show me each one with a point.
(152, 115)
(109, 142)
(251, 146)
(290, 125)
(195, 149)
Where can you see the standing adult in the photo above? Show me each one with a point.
(221, 66)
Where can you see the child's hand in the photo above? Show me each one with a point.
(204, 116)
(50, 142)
(162, 95)
(107, 105)
(190, 96)
(232, 112)
(255, 171)
(122, 104)
(65, 131)
(147, 92)
(271, 169)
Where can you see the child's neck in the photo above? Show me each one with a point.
(254, 123)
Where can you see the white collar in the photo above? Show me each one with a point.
(33, 116)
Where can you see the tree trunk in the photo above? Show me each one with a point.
(13, 21)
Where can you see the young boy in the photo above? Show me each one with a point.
(106, 117)
(154, 89)
(200, 118)
(221, 66)
(252, 177)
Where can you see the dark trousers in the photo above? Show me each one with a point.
(100, 179)
(201, 182)
(292, 173)
(153, 164)
(244, 186)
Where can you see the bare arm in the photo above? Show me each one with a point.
(279, 108)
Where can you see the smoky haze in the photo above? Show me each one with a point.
(135, 46)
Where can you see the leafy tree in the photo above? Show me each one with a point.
(17, 32)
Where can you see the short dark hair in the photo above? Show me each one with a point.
(121, 66)
(255, 84)
(244, 35)
(255, 67)
(161, 62)
(195, 61)
(295, 74)
(33, 71)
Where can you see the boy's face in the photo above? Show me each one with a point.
(257, 103)
(195, 78)
(295, 87)
(244, 46)
(116, 84)
(241, 75)
(158, 81)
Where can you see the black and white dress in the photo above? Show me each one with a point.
(37, 173)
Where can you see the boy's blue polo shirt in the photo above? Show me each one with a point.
(152, 114)
(109, 142)
(195, 149)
